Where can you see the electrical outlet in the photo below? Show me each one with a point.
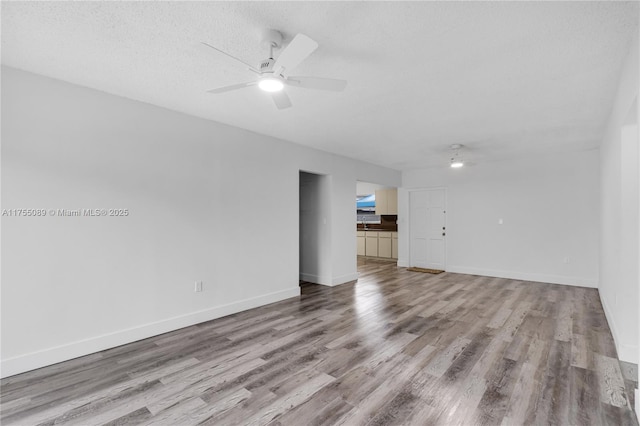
(198, 287)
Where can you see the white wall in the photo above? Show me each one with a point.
(75, 285)
(549, 208)
(315, 228)
(619, 279)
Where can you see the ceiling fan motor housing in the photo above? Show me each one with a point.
(266, 65)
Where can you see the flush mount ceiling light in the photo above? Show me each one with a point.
(271, 84)
(456, 156)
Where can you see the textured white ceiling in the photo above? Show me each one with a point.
(503, 78)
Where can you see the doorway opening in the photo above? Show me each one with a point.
(376, 222)
(315, 228)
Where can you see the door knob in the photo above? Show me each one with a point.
(443, 234)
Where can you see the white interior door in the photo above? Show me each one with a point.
(418, 241)
(427, 229)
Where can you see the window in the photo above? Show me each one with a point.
(366, 209)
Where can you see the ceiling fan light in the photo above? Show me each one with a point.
(271, 84)
(456, 158)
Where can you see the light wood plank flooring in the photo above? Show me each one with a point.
(395, 348)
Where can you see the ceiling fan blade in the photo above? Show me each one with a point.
(232, 87)
(297, 51)
(317, 83)
(230, 56)
(281, 99)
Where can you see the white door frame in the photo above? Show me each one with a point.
(446, 209)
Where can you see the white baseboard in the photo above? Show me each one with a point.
(329, 281)
(626, 353)
(345, 278)
(49, 356)
(526, 276)
(403, 263)
(316, 279)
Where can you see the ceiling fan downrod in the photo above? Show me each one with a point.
(271, 39)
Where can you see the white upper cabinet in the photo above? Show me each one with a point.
(386, 201)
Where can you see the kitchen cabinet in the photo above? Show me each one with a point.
(394, 245)
(371, 244)
(392, 201)
(384, 244)
(387, 201)
(361, 243)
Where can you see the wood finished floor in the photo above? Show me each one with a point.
(396, 348)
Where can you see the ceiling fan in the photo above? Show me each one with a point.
(273, 75)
